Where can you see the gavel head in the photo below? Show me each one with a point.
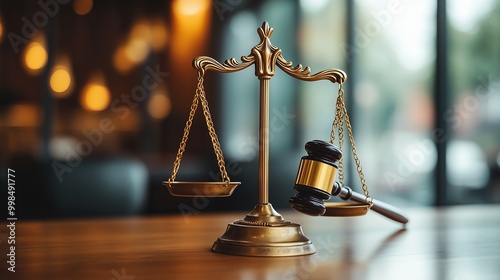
(315, 177)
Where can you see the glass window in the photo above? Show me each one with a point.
(393, 111)
(473, 153)
(394, 42)
(321, 32)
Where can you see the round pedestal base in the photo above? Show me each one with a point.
(278, 240)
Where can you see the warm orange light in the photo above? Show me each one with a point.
(1, 29)
(190, 7)
(141, 31)
(159, 105)
(137, 50)
(60, 80)
(82, 7)
(159, 34)
(35, 56)
(191, 21)
(26, 115)
(121, 61)
(189, 35)
(95, 97)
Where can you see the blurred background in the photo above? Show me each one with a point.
(94, 96)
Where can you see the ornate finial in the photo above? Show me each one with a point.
(265, 53)
(265, 31)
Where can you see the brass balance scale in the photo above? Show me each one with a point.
(264, 232)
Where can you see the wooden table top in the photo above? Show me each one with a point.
(449, 243)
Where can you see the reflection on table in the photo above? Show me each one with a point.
(449, 243)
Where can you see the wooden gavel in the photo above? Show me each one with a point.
(316, 183)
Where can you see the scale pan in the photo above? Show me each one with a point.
(345, 209)
(204, 189)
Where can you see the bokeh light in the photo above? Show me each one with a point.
(137, 46)
(83, 7)
(60, 80)
(23, 115)
(95, 97)
(190, 29)
(159, 105)
(35, 56)
(137, 50)
(1, 29)
(120, 60)
(190, 7)
(159, 34)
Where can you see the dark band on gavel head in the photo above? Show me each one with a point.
(323, 151)
(308, 199)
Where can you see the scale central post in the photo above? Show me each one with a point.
(265, 55)
(264, 141)
(264, 213)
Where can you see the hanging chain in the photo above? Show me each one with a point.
(338, 124)
(211, 132)
(200, 95)
(341, 116)
(185, 136)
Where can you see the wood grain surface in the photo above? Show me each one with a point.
(448, 243)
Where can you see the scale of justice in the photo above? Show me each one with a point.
(264, 232)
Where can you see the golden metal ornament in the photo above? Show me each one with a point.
(345, 209)
(202, 189)
(263, 232)
(317, 174)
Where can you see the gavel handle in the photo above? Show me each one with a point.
(380, 207)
